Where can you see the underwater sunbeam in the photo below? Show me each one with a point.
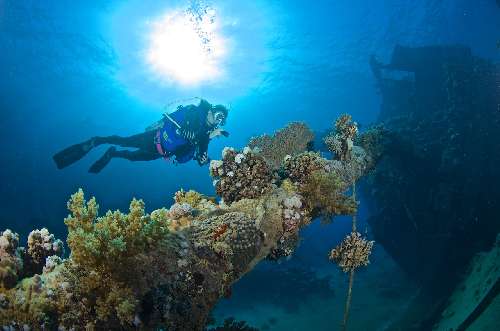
(186, 46)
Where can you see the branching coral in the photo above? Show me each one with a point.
(341, 141)
(353, 252)
(323, 193)
(195, 199)
(295, 138)
(17, 262)
(117, 237)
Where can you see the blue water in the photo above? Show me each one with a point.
(70, 70)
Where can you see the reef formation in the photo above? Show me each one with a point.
(168, 268)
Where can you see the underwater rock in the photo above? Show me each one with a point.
(168, 269)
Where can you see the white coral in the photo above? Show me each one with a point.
(247, 150)
(41, 244)
(215, 164)
(51, 262)
(293, 202)
(9, 241)
(239, 157)
(178, 210)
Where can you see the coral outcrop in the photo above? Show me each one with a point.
(11, 263)
(294, 139)
(298, 168)
(241, 175)
(168, 268)
(41, 245)
(341, 141)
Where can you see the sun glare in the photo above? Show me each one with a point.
(186, 47)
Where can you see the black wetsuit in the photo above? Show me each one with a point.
(144, 142)
(193, 129)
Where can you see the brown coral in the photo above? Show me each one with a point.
(241, 175)
(295, 138)
(341, 140)
(11, 263)
(298, 168)
(353, 252)
(41, 245)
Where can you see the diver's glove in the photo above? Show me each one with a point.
(203, 159)
(218, 132)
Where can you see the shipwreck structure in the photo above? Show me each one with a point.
(433, 202)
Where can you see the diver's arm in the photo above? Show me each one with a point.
(202, 150)
(218, 132)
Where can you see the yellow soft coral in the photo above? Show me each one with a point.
(323, 193)
(106, 251)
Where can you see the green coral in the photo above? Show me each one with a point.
(121, 238)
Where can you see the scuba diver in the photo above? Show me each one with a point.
(180, 136)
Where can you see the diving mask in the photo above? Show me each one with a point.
(219, 118)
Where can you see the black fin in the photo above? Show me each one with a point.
(103, 161)
(70, 155)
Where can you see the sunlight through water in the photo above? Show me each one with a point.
(186, 46)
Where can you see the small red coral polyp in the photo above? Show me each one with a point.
(220, 231)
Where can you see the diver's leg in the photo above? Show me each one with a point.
(75, 152)
(141, 140)
(139, 155)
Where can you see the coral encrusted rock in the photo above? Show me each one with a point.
(241, 175)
